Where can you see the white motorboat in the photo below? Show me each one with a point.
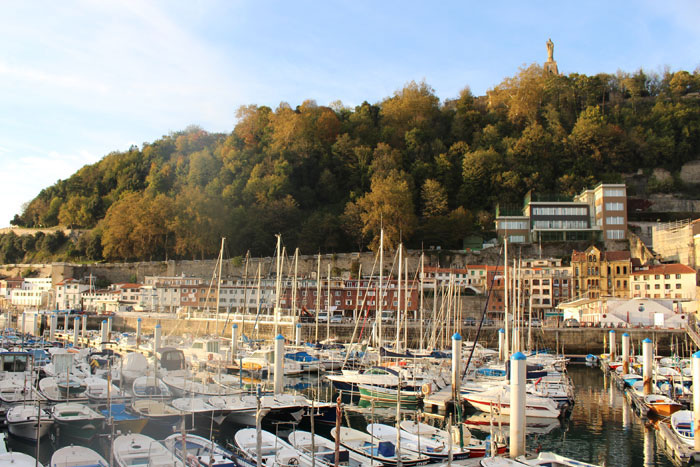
(22, 422)
(274, 451)
(376, 449)
(499, 400)
(682, 424)
(136, 450)
(430, 434)
(544, 459)
(59, 390)
(150, 387)
(158, 412)
(18, 459)
(324, 450)
(77, 420)
(199, 451)
(77, 456)
(239, 408)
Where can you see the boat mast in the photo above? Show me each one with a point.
(318, 296)
(397, 345)
(506, 341)
(278, 283)
(294, 283)
(420, 318)
(405, 304)
(218, 284)
(328, 305)
(381, 296)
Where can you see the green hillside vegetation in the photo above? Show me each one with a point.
(326, 178)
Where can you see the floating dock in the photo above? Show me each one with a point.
(439, 402)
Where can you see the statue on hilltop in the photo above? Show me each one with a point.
(550, 66)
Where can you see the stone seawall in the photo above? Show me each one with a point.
(575, 341)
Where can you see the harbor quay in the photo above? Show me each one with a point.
(572, 341)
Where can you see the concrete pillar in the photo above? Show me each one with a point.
(52, 326)
(138, 333)
(65, 323)
(24, 321)
(625, 353)
(611, 336)
(103, 334)
(297, 335)
(518, 374)
(156, 338)
(84, 333)
(456, 366)
(234, 340)
(648, 357)
(279, 364)
(501, 349)
(76, 331)
(110, 321)
(696, 400)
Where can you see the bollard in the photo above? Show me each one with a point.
(76, 329)
(156, 338)
(52, 326)
(696, 401)
(625, 354)
(84, 333)
(297, 336)
(518, 372)
(110, 320)
(103, 334)
(501, 337)
(279, 364)
(456, 364)
(612, 346)
(234, 341)
(138, 333)
(648, 357)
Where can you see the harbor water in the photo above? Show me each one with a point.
(602, 428)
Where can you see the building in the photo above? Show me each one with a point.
(596, 214)
(34, 293)
(469, 278)
(599, 273)
(6, 286)
(69, 294)
(678, 241)
(545, 284)
(620, 312)
(668, 281)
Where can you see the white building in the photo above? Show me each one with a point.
(670, 281)
(35, 292)
(622, 312)
(69, 294)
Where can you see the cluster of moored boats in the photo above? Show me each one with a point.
(114, 390)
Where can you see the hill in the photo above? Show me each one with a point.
(326, 177)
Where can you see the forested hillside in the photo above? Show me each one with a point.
(326, 177)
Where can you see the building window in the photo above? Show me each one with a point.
(614, 207)
(614, 220)
(615, 234)
(667, 286)
(614, 192)
(657, 286)
(513, 225)
(516, 238)
(678, 286)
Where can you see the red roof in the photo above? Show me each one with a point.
(676, 268)
(617, 255)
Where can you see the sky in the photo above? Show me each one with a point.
(82, 78)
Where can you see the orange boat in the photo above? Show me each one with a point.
(662, 406)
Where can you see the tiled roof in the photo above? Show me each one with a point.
(676, 268)
(617, 255)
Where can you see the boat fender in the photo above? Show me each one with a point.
(426, 389)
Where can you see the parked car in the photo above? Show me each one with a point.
(488, 322)
(571, 323)
(337, 319)
(536, 323)
(469, 321)
(322, 317)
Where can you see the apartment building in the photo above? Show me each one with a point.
(69, 294)
(472, 277)
(668, 281)
(599, 273)
(35, 292)
(595, 214)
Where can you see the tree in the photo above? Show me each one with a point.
(388, 205)
(434, 198)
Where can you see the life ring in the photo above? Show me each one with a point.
(426, 389)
